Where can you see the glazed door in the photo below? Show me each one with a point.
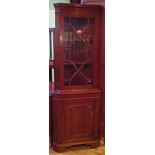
(80, 51)
(78, 48)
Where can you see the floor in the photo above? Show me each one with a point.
(81, 150)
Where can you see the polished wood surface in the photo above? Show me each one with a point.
(76, 10)
(51, 120)
(51, 91)
(77, 118)
(101, 62)
(76, 107)
(102, 76)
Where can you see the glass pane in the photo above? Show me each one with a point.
(78, 46)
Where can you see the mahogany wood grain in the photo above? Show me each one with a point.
(50, 120)
(77, 109)
(102, 75)
(76, 118)
(101, 62)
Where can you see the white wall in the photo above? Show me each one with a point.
(52, 11)
(51, 18)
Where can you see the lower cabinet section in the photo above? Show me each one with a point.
(75, 119)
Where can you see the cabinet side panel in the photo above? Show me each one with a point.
(96, 50)
(58, 51)
(50, 120)
(102, 76)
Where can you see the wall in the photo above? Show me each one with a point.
(52, 11)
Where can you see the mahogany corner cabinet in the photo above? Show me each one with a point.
(76, 99)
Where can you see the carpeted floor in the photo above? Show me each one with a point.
(81, 150)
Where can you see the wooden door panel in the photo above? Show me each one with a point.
(79, 119)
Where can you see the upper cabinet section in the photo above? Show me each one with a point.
(77, 44)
